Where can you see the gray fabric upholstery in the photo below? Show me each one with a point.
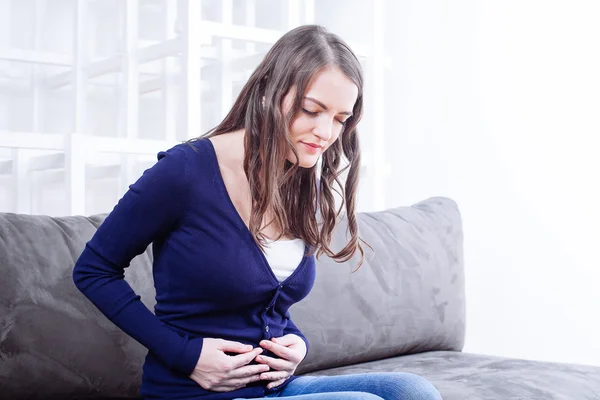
(407, 297)
(53, 341)
(461, 376)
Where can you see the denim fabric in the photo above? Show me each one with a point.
(376, 386)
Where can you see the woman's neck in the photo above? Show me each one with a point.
(231, 146)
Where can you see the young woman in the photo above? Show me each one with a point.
(232, 217)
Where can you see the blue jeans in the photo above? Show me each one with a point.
(373, 386)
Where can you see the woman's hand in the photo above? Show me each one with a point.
(220, 372)
(292, 350)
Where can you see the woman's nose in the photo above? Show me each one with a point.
(323, 128)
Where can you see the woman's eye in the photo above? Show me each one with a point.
(315, 113)
(309, 112)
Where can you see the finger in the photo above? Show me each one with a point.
(274, 375)
(281, 351)
(228, 384)
(288, 340)
(244, 359)
(224, 388)
(249, 370)
(275, 384)
(277, 364)
(235, 384)
(236, 347)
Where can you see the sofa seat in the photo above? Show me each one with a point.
(464, 376)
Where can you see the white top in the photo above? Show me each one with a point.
(284, 256)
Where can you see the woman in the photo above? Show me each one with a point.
(232, 217)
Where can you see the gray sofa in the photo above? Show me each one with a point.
(404, 310)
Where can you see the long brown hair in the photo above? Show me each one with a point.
(289, 191)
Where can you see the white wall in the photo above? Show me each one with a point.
(497, 106)
(93, 85)
(492, 103)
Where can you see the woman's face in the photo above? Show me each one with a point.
(327, 104)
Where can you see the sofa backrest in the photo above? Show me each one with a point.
(54, 343)
(407, 297)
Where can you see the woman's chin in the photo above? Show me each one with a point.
(305, 161)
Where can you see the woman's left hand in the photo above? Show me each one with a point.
(292, 350)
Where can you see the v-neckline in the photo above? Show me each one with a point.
(242, 225)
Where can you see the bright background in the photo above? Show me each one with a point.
(493, 103)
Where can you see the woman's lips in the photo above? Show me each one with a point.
(311, 147)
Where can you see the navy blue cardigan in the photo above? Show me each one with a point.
(211, 278)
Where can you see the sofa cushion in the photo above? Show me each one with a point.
(461, 376)
(407, 297)
(53, 342)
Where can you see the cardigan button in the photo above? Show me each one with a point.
(267, 328)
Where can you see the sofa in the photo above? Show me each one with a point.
(403, 310)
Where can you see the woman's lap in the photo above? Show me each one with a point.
(374, 386)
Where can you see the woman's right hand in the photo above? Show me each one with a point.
(219, 372)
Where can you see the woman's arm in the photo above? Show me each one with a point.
(150, 209)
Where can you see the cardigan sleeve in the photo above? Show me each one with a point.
(149, 210)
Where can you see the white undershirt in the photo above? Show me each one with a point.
(284, 256)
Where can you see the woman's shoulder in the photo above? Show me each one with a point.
(200, 147)
(197, 156)
(178, 170)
